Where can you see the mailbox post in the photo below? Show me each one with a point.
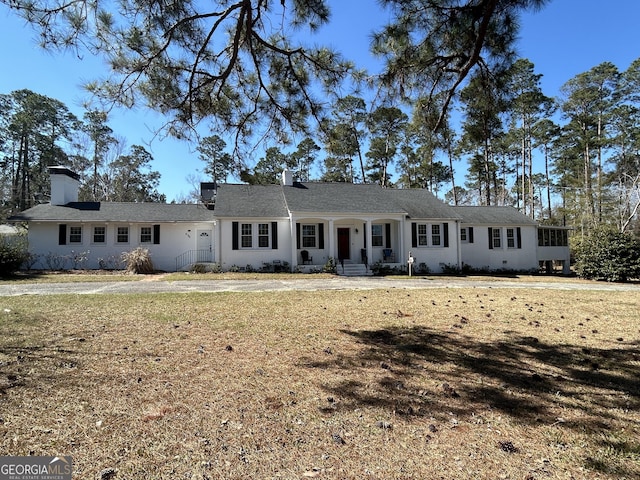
(410, 263)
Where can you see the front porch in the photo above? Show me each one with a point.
(355, 243)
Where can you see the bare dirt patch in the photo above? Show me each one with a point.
(469, 383)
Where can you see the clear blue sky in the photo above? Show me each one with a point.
(564, 39)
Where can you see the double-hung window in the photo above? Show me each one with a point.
(99, 234)
(423, 236)
(246, 235)
(496, 237)
(436, 238)
(377, 235)
(122, 234)
(511, 238)
(145, 235)
(75, 234)
(309, 236)
(263, 235)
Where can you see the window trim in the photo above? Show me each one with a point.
(511, 239)
(436, 235)
(430, 235)
(379, 236)
(118, 234)
(496, 240)
(263, 236)
(72, 235)
(250, 236)
(308, 236)
(150, 234)
(93, 235)
(246, 234)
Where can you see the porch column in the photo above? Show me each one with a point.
(459, 243)
(400, 258)
(294, 245)
(369, 247)
(332, 242)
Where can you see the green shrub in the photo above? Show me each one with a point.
(13, 253)
(608, 255)
(138, 261)
(330, 266)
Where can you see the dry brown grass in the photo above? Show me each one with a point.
(452, 384)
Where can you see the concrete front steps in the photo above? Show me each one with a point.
(353, 270)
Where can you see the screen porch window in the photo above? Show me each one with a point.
(309, 236)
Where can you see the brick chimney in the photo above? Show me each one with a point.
(64, 185)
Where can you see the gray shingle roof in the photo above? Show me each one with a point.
(250, 201)
(115, 212)
(327, 198)
(493, 216)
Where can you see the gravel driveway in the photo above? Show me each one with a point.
(304, 284)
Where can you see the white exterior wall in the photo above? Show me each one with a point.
(478, 254)
(256, 257)
(433, 256)
(175, 239)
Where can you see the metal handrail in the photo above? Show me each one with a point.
(192, 256)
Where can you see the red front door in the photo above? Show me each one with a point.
(344, 244)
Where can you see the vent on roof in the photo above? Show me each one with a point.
(208, 193)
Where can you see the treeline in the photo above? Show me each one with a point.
(573, 160)
(37, 131)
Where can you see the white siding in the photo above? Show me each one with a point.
(479, 256)
(175, 239)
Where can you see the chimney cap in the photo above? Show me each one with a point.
(60, 170)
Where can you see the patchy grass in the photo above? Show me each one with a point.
(469, 383)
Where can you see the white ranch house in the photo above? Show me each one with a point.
(291, 226)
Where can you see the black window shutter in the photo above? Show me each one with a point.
(387, 235)
(414, 234)
(470, 236)
(298, 236)
(62, 234)
(519, 234)
(321, 236)
(274, 235)
(490, 238)
(156, 234)
(234, 235)
(445, 233)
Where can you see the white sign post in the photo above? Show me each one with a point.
(410, 262)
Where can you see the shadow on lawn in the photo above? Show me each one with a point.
(419, 371)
